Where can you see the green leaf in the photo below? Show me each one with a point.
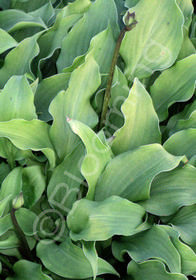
(17, 100)
(75, 104)
(95, 221)
(141, 125)
(12, 20)
(64, 185)
(27, 135)
(68, 260)
(180, 120)
(176, 84)
(188, 257)
(25, 219)
(151, 270)
(27, 5)
(18, 60)
(28, 270)
(101, 48)
(4, 171)
(171, 190)
(10, 188)
(93, 22)
(131, 3)
(187, 8)
(53, 37)
(7, 42)
(33, 185)
(155, 41)
(46, 92)
(91, 254)
(187, 46)
(187, 123)
(97, 155)
(9, 241)
(182, 143)
(130, 174)
(153, 243)
(119, 93)
(45, 12)
(185, 223)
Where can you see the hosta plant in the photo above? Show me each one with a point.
(97, 139)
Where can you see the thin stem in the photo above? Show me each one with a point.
(111, 73)
(24, 247)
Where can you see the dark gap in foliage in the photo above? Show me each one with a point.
(179, 107)
(48, 67)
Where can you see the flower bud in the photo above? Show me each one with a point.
(18, 201)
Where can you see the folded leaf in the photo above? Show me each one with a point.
(182, 143)
(18, 60)
(91, 254)
(46, 92)
(188, 257)
(68, 260)
(187, 8)
(33, 185)
(176, 84)
(171, 190)
(93, 221)
(141, 125)
(64, 185)
(153, 243)
(25, 219)
(152, 270)
(7, 42)
(187, 46)
(97, 155)
(33, 135)
(155, 41)
(10, 188)
(27, 5)
(17, 100)
(12, 20)
(28, 270)
(130, 174)
(185, 223)
(74, 103)
(93, 22)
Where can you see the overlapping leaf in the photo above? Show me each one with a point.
(75, 104)
(185, 223)
(12, 20)
(92, 220)
(176, 84)
(188, 257)
(130, 174)
(18, 60)
(46, 92)
(63, 260)
(25, 135)
(153, 243)
(171, 190)
(25, 269)
(86, 29)
(182, 143)
(97, 155)
(64, 186)
(7, 42)
(155, 41)
(141, 125)
(151, 270)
